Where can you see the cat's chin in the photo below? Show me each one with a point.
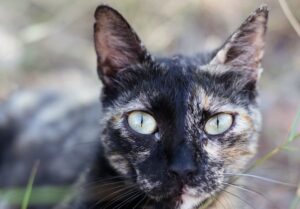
(189, 199)
(166, 197)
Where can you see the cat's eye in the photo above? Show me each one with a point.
(218, 124)
(142, 122)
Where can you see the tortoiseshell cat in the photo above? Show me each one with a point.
(175, 130)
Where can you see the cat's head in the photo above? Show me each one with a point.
(179, 127)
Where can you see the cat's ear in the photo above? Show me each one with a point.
(245, 47)
(117, 45)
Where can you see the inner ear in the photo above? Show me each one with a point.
(117, 45)
(245, 47)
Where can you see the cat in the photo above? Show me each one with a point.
(174, 131)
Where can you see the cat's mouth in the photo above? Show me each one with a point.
(185, 198)
(166, 196)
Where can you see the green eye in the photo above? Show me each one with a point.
(142, 122)
(218, 124)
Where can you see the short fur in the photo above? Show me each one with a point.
(181, 93)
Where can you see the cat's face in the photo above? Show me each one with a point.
(178, 127)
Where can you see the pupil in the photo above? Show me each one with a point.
(217, 121)
(142, 120)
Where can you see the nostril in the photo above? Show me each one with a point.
(191, 174)
(182, 163)
(183, 172)
(173, 174)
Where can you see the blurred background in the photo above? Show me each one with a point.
(46, 48)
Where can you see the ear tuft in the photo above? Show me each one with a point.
(245, 47)
(117, 45)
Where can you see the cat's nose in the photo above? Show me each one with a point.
(182, 163)
(184, 171)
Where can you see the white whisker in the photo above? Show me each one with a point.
(241, 187)
(262, 178)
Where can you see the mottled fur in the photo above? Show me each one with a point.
(178, 167)
(181, 93)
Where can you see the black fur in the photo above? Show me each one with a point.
(180, 162)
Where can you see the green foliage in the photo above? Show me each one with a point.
(28, 191)
(31, 195)
(37, 196)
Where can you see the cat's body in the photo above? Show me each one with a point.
(199, 120)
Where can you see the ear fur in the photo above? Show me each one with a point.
(117, 45)
(245, 47)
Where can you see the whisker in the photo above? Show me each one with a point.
(99, 190)
(238, 197)
(262, 178)
(139, 202)
(128, 192)
(105, 184)
(125, 189)
(244, 188)
(228, 200)
(146, 202)
(99, 185)
(219, 201)
(114, 193)
(99, 180)
(133, 197)
(102, 183)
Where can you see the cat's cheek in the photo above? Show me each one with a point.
(237, 157)
(139, 156)
(145, 183)
(240, 146)
(213, 149)
(119, 163)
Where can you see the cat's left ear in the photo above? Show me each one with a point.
(245, 47)
(117, 45)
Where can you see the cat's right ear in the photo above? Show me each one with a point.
(245, 47)
(117, 45)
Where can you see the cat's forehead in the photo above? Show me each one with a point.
(177, 62)
(219, 84)
(172, 84)
(175, 83)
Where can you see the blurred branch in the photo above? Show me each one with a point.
(296, 200)
(289, 15)
(293, 135)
